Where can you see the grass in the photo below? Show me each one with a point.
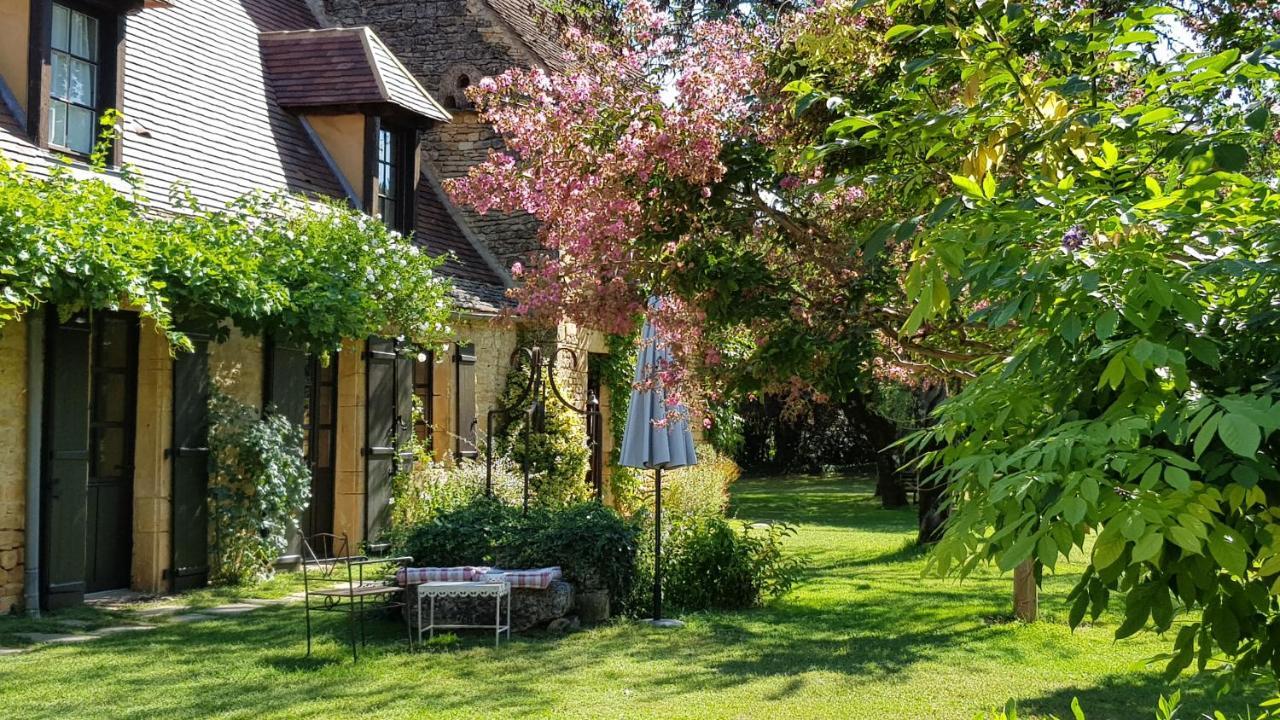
(863, 635)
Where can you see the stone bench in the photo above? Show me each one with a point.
(531, 607)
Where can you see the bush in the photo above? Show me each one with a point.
(711, 563)
(700, 490)
(430, 488)
(259, 485)
(557, 457)
(592, 544)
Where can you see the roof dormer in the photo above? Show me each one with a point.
(363, 108)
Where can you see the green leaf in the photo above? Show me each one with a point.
(1148, 548)
(1230, 156)
(1184, 539)
(1257, 119)
(1177, 478)
(898, 31)
(1017, 552)
(1105, 326)
(1240, 434)
(1107, 550)
(968, 186)
(1227, 550)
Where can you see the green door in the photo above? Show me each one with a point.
(113, 408)
(91, 366)
(66, 469)
(190, 462)
(305, 391)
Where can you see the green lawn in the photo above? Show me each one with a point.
(862, 636)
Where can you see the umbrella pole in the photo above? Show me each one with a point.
(657, 544)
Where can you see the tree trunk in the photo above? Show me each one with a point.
(933, 512)
(1025, 591)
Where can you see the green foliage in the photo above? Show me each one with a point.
(1090, 208)
(429, 488)
(712, 563)
(557, 457)
(700, 490)
(1166, 709)
(617, 372)
(259, 484)
(311, 272)
(593, 545)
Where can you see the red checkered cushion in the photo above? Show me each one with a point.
(538, 579)
(415, 576)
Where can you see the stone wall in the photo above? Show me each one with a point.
(13, 463)
(235, 365)
(448, 44)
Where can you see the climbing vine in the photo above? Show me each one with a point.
(310, 272)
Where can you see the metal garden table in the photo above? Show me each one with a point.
(429, 591)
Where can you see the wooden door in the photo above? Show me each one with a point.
(113, 409)
(65, 506)
(190, 463)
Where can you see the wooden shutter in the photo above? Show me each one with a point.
(465, 396)
(190, 464)
(66, 480)
(382, 363)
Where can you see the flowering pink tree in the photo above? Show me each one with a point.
(680, 170)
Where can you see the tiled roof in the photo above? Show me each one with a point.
(476, 286)
(533, 23)
(197, 107)
(342, 68)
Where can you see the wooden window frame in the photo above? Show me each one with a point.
(406, 160)
(109, 82)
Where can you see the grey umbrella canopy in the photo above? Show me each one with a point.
(657, 436)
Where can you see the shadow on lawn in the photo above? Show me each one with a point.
(1114, 696)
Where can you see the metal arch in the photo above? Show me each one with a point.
(551, 377)
(534, 356)
(535, 387)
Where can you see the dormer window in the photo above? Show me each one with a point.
(74, 80)
(393, 175)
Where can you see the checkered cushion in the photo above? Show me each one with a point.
(415, 576)
(538, 579)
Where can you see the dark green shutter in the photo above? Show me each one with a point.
(66, 481)
(190, 463)
(464, 361)
(388, 424)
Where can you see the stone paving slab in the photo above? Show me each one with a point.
(117, 629)
(56, 638)
(190, 618)
(231, 609)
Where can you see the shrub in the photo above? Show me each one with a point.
(430, 488)
(259, 485)
(592, 544)
(557, 456)
(702, 489)
(711, 563)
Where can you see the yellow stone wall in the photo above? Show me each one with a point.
(152, 478)
(13, 462)
(236, 367)
(15, 40)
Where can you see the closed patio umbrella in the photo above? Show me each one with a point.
(657, 437)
